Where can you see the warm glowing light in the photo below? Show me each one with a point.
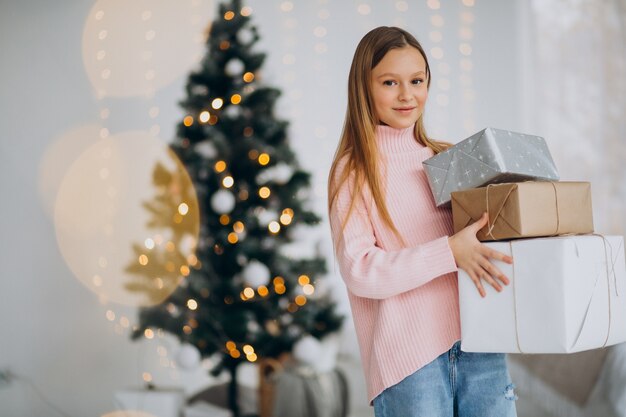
(251, 357)
(217, 103)
(149, 243)
(238, 227)
(97, 280)
(436, 52)
(224, 45)
(148, 333)
(248, 292)
(246, 11)
(220, 166)
(300, 300)
(247, 349)
(253, 154)
(169, 246)
(433, 4)
(204, 116)
(274, 227)
(235, 353)
(213, 119)
(229, 15)
(264, 192)
(184, 270)
(187, 329)
(308, 289)
(143, 260)
(285, 219)
(465, 49)
(303, 280)
(279, 281)
(183, 208)
(224, 219)
(248, 77)
(436, 20)
(235, 99)
(280, 289)
(292, 308)
(247, 132)
(230, 345)
(192, 304)
(364, 9)
(264, 159)
(233, 238)
(228, 181)
(263, 291)
(147, 377)
(110, 315)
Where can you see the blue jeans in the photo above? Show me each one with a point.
(456, 384)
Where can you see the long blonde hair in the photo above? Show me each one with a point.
(358, 145)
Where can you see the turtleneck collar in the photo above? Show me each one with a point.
(391, 140)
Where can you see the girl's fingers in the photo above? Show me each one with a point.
(494, 254)
(493, 271)
(479, 285)
(480, 223)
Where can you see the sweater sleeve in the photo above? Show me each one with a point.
(371, 272)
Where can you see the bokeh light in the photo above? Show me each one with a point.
(101, 222)
(133, 48)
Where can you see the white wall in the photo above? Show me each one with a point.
(53, 331)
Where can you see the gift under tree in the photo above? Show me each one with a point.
(245, 294)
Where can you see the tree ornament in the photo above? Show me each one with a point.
(256, 274)
(234, 67)
(245, 36)
(223, 202)
(188, 357)
(279, 173)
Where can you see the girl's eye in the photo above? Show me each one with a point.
(417, 81)
(389, 82)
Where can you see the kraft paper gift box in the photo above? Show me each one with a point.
(159, 402)
(525, 209)
(487, 157)
(567, 294)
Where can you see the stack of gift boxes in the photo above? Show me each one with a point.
(568, 284)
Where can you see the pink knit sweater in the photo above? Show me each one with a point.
(404, 300)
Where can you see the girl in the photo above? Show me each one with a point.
(394, 250)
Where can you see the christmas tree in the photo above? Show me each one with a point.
(240, 297)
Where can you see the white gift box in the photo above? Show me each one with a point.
(159, 402)
(567, 294)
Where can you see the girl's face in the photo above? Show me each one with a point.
(399, 87)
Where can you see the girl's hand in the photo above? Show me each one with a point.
(473, 257)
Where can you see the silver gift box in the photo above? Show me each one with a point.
(488, 157)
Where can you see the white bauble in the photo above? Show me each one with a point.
(320, 355)
(223, 202)
(256, 274)
(206, 149)
(188, 357)
(266, 216)
(245, 36)
(279, 173)
(234, 67)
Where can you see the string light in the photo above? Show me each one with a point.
(188, 121)
(248, 77)
(143, 260)
(264, 159)
(228, 181)
(229, 15)
(192, 304)
(274, 227)
(303, 280)
(235, 99)
(204, 116)
(148, 333)
(220, 166)
(264, 192)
